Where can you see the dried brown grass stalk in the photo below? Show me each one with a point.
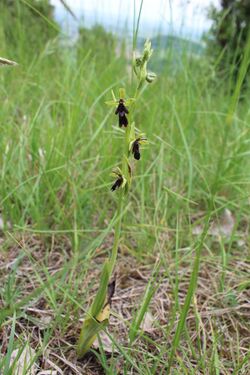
(4, 62)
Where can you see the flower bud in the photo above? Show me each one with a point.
(147, 52)
(138, 61)
(151, 76)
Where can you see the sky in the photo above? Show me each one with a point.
(181, 17)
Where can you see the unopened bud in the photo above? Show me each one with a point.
(151, 76)
(147, 52)
(138, 61)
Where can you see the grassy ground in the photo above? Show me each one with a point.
(58, 145)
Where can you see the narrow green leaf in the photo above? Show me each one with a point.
(100, 297)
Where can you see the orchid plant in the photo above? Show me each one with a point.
(97, 317)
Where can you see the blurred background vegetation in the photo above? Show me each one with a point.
(54, 119)
(26, 27)
(228, 36)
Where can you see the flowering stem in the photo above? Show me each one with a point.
(97, 317)
(122, 192)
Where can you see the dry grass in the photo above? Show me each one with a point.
(216, 315)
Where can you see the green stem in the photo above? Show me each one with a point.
(117, 234)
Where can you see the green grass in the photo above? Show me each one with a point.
(58, 146)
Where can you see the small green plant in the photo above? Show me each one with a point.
(98, 315)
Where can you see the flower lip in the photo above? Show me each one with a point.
(136, 150)
(117, 184)
(121, 111)
(135, 147)
(120, 179)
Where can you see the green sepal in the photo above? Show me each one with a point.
(129, 101)
(122, 93)
(142, 140)
(113, 95)
(116, 172)
(111, 103)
